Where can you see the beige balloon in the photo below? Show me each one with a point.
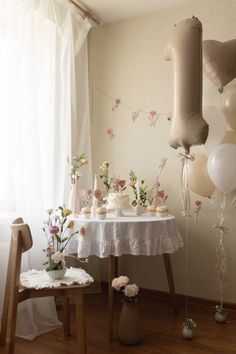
(185, 47)
(199, 181)
(229, 137)
(229, 106)
(219, 61)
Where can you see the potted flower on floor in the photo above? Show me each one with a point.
(221, 314)
(188, 327)
(129, 327)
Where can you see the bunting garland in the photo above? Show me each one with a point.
(151, 115)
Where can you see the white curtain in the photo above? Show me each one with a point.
(40, 43)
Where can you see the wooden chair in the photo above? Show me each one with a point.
(21, 241)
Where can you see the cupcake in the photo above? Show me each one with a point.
(162, 211)
(101, 213)
(151, 210)
(86, 212)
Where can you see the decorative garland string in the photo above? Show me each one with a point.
(152, 115)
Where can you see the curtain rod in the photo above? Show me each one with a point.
(86, 13)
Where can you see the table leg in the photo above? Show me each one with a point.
(170, 279)
(112, 266)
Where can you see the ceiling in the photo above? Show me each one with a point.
(115, 10)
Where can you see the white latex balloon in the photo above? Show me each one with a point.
(217, 127)
(221, 167)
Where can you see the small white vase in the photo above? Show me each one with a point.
(220, 317)
(73, 202)
(187, 333)
(138, 210)
(118, 213)
(56, 274)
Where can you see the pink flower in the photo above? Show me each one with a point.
(116, 104)
(82, 230)
(198, 203)
(97, 194)
(84, 162)
(109, 131)
(131, 184)
(89, 191)
(54, 230)
(160, 194)
(152, 114)
(121, 182)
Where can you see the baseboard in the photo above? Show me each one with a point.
(180, 298)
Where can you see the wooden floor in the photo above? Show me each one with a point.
(161, 331)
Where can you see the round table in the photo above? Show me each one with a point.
(129, 234)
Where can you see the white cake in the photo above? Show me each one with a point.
(118, 201)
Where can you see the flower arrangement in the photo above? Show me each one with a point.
(107, 180)
(220, 310)
(77, 162)
(189, 323)
(129, 291)
(58, 232)
(197, 208)
(139, 188)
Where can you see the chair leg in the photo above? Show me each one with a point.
(66, 316)
(80, 323)
(4, 322)
(11, 330)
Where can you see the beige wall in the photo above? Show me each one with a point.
(126, 60)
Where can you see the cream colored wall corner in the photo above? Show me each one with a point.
(126, 60)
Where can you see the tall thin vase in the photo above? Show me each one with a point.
(129, 327)
(74, 203)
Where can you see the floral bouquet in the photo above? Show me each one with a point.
(129, 291)
(107, 180)
(77, 162)
(58, 232)
(189, 323)
(139, 188)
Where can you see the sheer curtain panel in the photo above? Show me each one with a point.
(39, 43)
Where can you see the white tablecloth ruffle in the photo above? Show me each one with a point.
(130, 234)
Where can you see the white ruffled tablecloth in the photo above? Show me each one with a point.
(130, 234)
(39, 279)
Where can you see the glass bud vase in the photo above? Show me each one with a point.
(129, 327)
(73, 202)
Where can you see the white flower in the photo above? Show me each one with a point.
(117, 283)
(131, 290)
(58, 257)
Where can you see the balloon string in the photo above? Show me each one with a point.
(186, 203)
(186, 264)
(185, 196)
(221, 264)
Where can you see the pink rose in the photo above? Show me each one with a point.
(121, 182)
(198, 203)
(89, 191)
(97, 194)
(82, 230)
(54, 230)
(109, 131)
(161, 194)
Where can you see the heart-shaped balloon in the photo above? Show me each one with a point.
(221, 167)
(229, 106)
(219, 61)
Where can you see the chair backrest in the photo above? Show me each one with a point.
(21, 234)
